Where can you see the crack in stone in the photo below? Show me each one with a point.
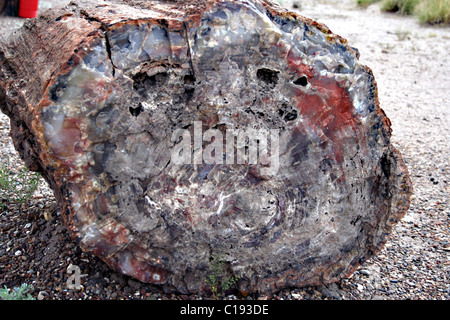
(108, 51)
(186, 32)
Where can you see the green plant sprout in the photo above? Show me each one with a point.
(16, 187)
(218, 280)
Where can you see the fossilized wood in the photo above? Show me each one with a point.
(96, 90)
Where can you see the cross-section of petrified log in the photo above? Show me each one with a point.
(173, 131)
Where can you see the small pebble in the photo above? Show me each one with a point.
(364, 272)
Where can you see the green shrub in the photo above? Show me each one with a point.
(218, 280)
(18, 293)
(401, 6)
(427, 11)
(433, 11)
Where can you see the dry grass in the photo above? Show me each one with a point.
(433, 11)
(427, 11)
(401, 6)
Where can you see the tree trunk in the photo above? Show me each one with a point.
(174, 132)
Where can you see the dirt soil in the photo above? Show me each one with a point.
(410, 62)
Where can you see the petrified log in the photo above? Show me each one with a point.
(173, 131)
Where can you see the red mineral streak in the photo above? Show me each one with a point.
(96, 91)
(102, 204)
(115, 234)
(325, 107)
(130, 265)
(296, 66)
(330, 110)
(66, 142)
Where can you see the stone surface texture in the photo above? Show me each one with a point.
(95, 91)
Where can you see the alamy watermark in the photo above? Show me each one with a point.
(74, 280)
(250, 146)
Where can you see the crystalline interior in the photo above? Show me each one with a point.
(112, 118)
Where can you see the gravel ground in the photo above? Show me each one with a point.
(410, 63)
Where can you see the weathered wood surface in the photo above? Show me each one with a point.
(96, 91)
